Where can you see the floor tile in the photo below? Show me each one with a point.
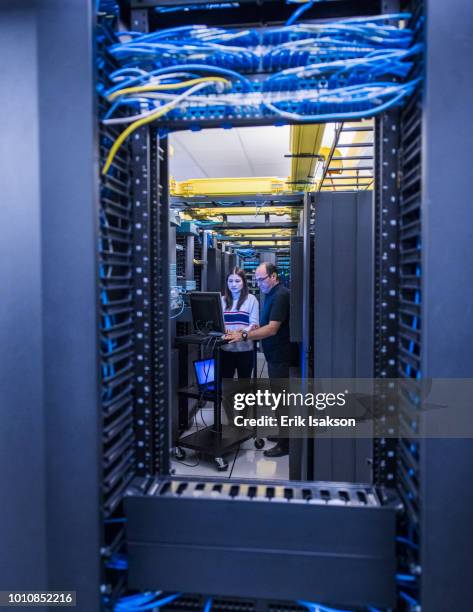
(253, 464)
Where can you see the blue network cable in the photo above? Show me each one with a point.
(239, 49)
(344, 70)
(341, 116)
(139, 596)
(316, 607)
(118, 562)
(405, 578)
(410, 600)
(196, 7)
(146, 601)
(300, 11)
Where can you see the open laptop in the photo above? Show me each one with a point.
(205, 374)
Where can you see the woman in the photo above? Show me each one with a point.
(240, 312)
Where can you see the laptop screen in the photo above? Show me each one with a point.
(205, 371)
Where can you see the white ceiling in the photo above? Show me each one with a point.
(239, 152)
(247, 152)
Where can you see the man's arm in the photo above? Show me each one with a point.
(254, 314)
(266, 331)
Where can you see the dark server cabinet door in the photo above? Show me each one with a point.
(343, 316)
(225, 269)
(214, 269)
(296, 286)
(232, 261)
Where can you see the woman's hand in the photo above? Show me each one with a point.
(233, 336)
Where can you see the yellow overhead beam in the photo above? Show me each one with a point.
(218, 211)
(336, 165)
(229, 186)
(270, 231)
(305, 141)
(267, 243)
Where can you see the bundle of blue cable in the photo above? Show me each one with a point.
(316, 607)
(309, 72)
(150, 600)
(264, 50)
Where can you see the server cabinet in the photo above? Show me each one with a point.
(232, 261)
(204, 269)
(445, 342)
(343, 316)
(225, 268)
(51, 431)
(214, 269)
(297, 285)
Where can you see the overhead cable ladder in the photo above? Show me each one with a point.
(358, 174)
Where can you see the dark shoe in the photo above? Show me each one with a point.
(280, 450)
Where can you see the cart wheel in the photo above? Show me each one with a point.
(259, 443)
(179, 453)
(222, 465)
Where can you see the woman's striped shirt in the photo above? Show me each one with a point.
(243, 318)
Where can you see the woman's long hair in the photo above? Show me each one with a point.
(244, 290)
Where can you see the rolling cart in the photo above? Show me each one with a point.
(215, 440)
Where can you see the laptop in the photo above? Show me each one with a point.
(205, 374)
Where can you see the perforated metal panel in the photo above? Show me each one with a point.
(327, 493)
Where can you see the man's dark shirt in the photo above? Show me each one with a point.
(277, 349)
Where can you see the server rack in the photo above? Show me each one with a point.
(445, 341)
(73, 436)
(199, 261)
(224, 269)
(180, 256)
(145, 496)
(118, 329)
(343, 317)
(283, 263)
(214, 269)
(232, 261)
(297, 271)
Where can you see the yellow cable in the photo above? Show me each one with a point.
(140, 122)
(131, 128)
(157, 87)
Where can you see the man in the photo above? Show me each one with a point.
(273, 333)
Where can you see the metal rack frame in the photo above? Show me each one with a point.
(117, 310)
(150, 194)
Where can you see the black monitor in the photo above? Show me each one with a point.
(207, 313)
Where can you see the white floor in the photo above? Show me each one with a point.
(246, 462)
